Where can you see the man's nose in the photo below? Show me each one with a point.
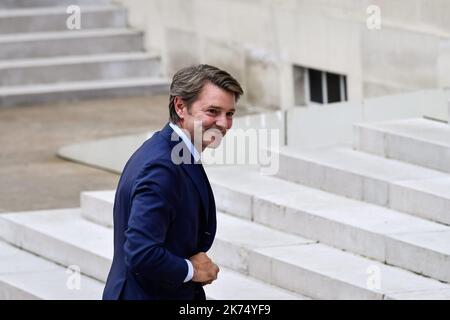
(223, 122)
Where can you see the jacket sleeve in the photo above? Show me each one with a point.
(151, 214)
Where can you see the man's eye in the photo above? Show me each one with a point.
(230, 114)
(213, 111)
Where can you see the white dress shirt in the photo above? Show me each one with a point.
(196, 156)
(186, 141)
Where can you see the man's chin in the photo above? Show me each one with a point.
(211, 144)
(212, 137)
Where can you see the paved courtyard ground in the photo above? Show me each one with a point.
(32, 177)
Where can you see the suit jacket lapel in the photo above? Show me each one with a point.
(194, 170)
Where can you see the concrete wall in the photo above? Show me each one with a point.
(332, 124)
(259, 41)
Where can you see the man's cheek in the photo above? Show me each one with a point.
(212, 137)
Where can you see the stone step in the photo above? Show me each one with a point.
(78, 68)
(322, 272)
(427, 198)
(65, 237)
(70, 43)
(97, 206)
(369, 178)
(108, 158)
(24, 275)
(41, 19)
(236, 239)
(74, 91)
(373, 231)
(312, 269)
(233, 285)
(61, 236)
(418, 141)
(8, 4)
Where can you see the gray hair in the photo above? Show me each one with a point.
(189, 81)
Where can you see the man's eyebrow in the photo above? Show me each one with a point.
(220, 108)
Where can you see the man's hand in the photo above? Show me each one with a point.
(205, 271)
(205, 283)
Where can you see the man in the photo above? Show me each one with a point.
(164, 210)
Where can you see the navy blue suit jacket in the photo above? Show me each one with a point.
(164, 213)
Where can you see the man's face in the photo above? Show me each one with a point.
(211, 115)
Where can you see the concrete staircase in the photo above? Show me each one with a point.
(361, 176)
(418, 141)
(335, 223)
(24, 275)
(66, 238)
(42, 61)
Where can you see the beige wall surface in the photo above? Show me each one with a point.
(259, 41)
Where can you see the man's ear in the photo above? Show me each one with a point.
(179, 106)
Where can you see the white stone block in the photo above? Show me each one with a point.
(24, 275)
(349, 173)
(324, 228)
(318, 285)
(423, 252)
(417, 141)
(340, 180)
(376, 191)
(108, 158)
(325, 273)
(227, 254)
(260, 267)
(233, 202)
(52, 19)
(236, 237)
(79, 90)
(98, 207)
(232, 285)
(369, 140)
(301, 171)
(11, 292)
(343, 182)
(428, 198)
(343, 223)
(235, 187)
(51, 285)
(61, 236)
(51, 44)
(79, 68)
(418, 152)
(292, 275)
(340, 222)
(48, 3)
(439, 294)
